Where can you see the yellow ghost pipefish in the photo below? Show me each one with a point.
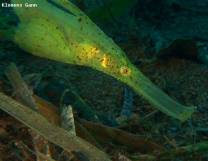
(58, 30)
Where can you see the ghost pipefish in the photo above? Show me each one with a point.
(58, 30)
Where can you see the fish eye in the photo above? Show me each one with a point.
(125, 71)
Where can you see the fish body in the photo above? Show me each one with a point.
(58, 30)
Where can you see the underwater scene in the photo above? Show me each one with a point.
(104, 80)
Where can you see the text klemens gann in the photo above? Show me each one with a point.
(13, 5)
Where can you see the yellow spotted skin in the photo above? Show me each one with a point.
(66, 34)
